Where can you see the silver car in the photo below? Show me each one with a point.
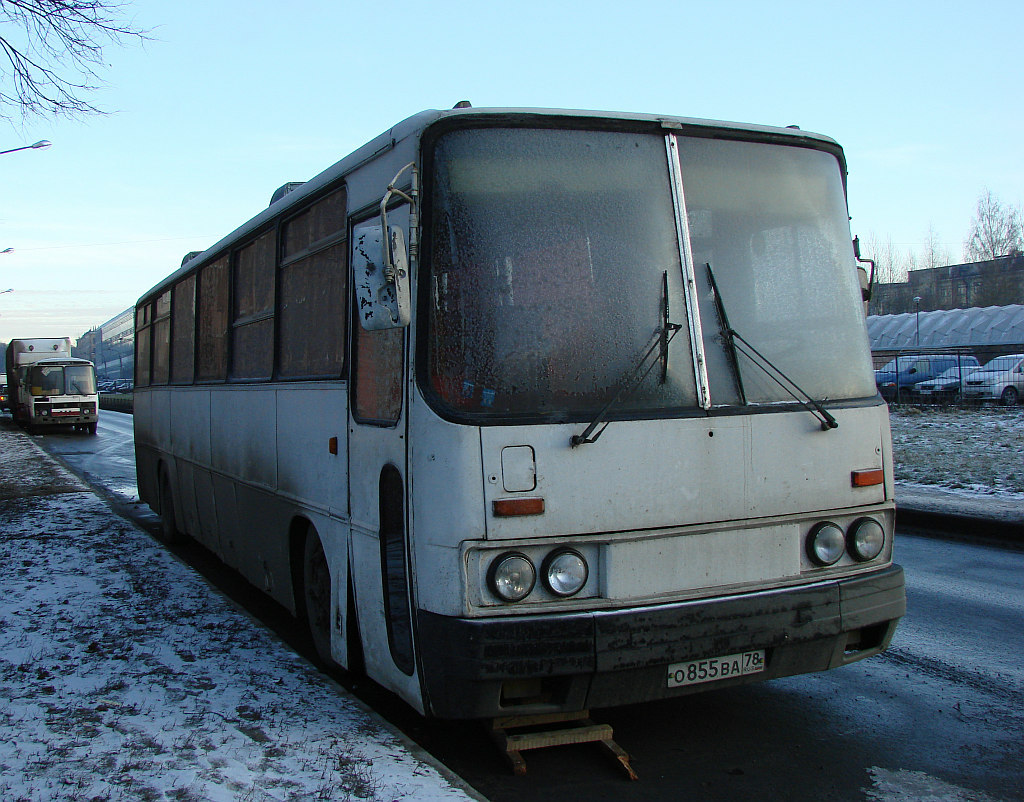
(945, 388)
(1002, 380)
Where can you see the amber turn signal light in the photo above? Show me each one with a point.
(509, 507)
(869, 478)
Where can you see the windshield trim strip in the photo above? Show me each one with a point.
(700, 369)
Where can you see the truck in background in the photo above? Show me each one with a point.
(49, 387)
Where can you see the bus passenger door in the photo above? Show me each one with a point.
(380, 553)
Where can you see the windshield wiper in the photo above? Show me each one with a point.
(729, 334)
(662, 338)
(767, 367)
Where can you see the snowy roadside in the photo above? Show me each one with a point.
(966, 465)
(123, 675)
(969, 451)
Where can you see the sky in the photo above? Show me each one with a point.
(230, 99)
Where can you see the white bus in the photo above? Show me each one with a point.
(49, 387)
(594, 422)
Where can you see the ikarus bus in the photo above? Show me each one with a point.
(526, 412)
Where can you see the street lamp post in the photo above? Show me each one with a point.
(42, 143)
(917, 317)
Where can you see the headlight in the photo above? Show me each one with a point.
(865, 539)
(565, 572)
(825, 543)
(512, 576)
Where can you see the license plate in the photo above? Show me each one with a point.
(710, 669)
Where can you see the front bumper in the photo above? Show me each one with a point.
(64, 420)
(480, 668)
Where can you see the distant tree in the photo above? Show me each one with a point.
(54, 51)
(890, 263)
(996, 230)
(933, 254)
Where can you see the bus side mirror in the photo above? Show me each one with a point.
(867, 280)
(381, 277)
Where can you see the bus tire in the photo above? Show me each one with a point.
(168, 532)
(91, 428)
(316, 596)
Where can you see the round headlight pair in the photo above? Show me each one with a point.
(827, 542)
(512, 575)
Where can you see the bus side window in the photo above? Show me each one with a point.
(378, 375)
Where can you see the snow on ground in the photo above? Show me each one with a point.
(124, 676)
(972, 451)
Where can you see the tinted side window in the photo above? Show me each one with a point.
(253, 322)
(143, 328)
(162, 339)
(378, 375)
(183, 334)
(314, 284)
(213, 321)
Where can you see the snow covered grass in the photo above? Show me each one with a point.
(123, 676)
(978, 450)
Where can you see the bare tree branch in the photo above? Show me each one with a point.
(54, 54)
(996, 230)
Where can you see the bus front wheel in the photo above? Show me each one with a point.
(316, 596)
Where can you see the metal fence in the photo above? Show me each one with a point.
(930, 376)
(117, 402)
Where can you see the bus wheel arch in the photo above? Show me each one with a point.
(168, 531)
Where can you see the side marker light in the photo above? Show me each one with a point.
(868, 478)
(509, 507)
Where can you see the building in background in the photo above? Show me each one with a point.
(111, 347)
(995, 282)
(985, 332)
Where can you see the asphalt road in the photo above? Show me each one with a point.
(939, 716)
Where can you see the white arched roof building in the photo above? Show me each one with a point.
(986, 329)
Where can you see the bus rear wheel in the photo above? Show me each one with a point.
(316, 596)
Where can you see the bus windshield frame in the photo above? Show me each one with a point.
(72, 379)
(546, 251)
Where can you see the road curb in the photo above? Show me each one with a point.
(962, 527)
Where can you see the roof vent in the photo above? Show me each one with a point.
(463, 104)
(291, 186)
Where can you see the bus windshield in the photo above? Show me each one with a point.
(552, 254)
(62, 380)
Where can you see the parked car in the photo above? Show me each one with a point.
(1001, 380)
(897, 380)
(946, 387)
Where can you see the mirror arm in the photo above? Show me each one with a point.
(871, 275)
(389, 261)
